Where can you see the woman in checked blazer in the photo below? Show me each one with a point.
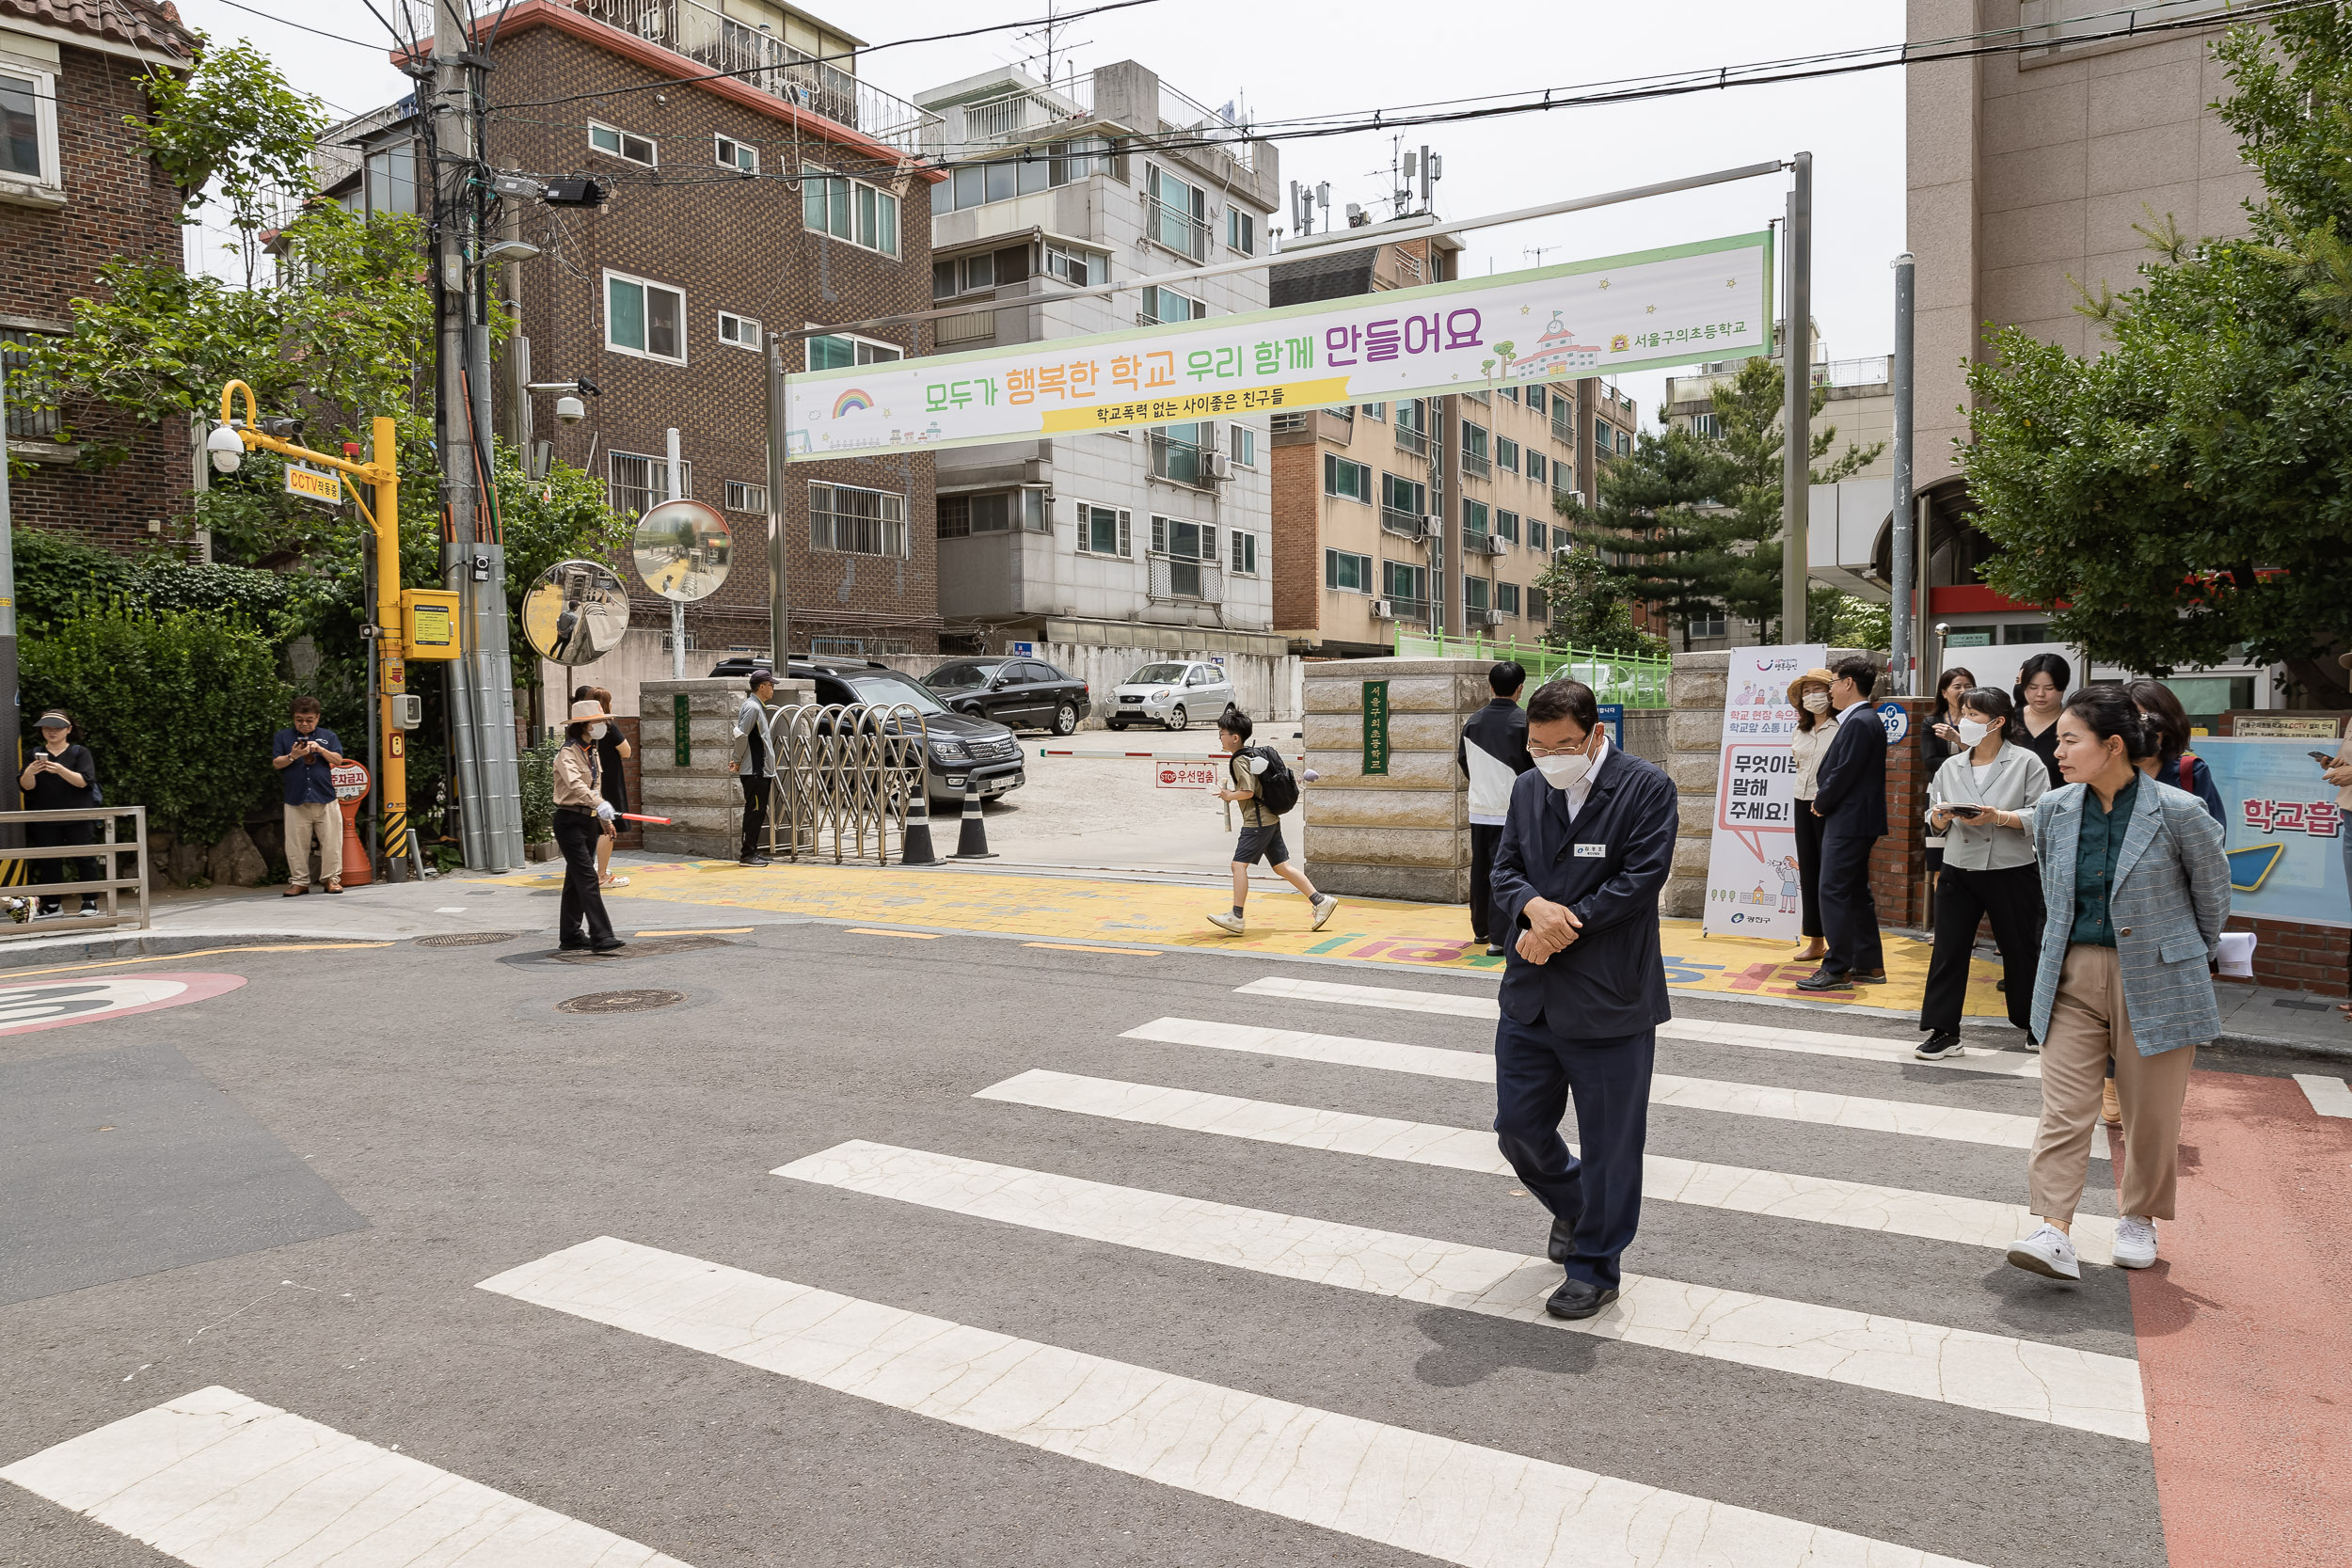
(2137, 892)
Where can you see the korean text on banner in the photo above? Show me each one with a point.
(1708, 300)
(1752, 853)
(2281, 830)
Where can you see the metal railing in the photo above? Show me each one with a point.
(1416, 610)
(1178, 576)
(1182, 462)
(847, 775)
(1475, 463)
(1023, 114)
(19, 901)
(763, 61)
(1624, 679)
(1176, 228)
(1410, 523)
(1409, 439)
(1187, 116)
(32, 414)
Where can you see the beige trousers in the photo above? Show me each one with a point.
(2087, 1024)
(321, 821)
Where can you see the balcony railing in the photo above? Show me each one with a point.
(1177, 577)
(1414, 610)
(1407, 524)
(1175, 228)
(1183, 462)
(1025, 113)
(1476, 464)
(1186, 116)
(763, 61)
(1408, 439)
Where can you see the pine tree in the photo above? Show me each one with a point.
(1652, 519)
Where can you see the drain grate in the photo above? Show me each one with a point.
(467, 939)
(620, 1001)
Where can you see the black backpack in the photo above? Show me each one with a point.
(1278, 786)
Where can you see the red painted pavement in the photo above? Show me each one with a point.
(2245, 1340)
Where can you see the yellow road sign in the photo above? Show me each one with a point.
(314, 485)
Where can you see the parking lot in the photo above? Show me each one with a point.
(1106, 814)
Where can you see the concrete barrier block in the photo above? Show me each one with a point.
(1443, 849)
(1693, 772)
(1691, 858)
(1345, 770)
(1407, 732)
(1695, 688)
(1392, 808)
(1414, 884)
(1684, 896)
(1699, 730)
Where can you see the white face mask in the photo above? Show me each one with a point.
(1973, 730)
(1560, 772)
(1817, 701)
(596, 731)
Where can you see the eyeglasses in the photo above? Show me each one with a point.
(1581, 748)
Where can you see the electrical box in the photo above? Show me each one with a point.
(407, 711)
(428, 622)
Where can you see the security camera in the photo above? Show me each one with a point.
(225, 448)
(570, 411)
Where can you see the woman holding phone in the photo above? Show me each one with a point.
(1938, 742)
(1981, 800)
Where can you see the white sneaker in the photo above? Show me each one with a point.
(1227, 923)
(1325, 907)
(2135, 1241)
(2048, 1251)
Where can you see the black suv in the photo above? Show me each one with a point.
(963, 748)
(1025, 693)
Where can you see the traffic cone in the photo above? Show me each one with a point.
(971, 839)
(914, 843)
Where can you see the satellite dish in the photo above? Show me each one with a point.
(682, 549)
(576, 614)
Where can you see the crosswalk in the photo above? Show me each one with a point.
(220, 1480)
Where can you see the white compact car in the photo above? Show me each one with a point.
(1171, 695)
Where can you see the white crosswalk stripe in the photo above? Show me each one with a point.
(220, 1480)
(1959, 1123)
(1936, 1216)
(1811, 1042)
(1455, 1502)
(1984, 1372)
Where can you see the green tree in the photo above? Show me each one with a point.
(1742, 549)
(1836, 619)
(1590, 607)
(1653, 516)
(2189, 489)
(233, 119)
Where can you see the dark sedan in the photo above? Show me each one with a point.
(963, 746)
(1022, 693)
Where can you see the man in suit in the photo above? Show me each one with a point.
(1850, 800)
(1585, 850)
(1492, 753)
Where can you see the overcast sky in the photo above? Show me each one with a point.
(1289, 58)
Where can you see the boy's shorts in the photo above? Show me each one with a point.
(1267, 840)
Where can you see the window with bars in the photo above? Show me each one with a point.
(1245, 553)
(1104, 531)
(33, 415)
(745, 497)
(846, 520)
(1176, 214)
(641, 482)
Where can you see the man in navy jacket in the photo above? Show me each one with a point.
(1585, 851)
(1850, 800)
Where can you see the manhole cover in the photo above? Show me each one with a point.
(642, 948)
(467, 939)
(620, 1001)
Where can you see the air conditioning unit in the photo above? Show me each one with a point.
(1431, 524)
(1484, 620)
(1216, 464)
(1382, 610)
(650, 23)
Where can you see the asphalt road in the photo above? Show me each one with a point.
(312, 1174)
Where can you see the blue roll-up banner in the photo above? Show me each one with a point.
(2281, 830)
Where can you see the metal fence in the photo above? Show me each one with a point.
(1624, 679)
(847, 775)
(108, 887)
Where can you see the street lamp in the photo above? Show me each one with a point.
(225, 447)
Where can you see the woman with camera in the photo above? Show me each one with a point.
(61, 776)
(1981, 802)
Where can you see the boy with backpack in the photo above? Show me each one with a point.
(1264, 789)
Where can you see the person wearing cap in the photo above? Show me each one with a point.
(754, 763)
(61, 776)
(1816, 726)
(306, 757)
(582, 816)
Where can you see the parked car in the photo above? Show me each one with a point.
(1171, 695)
(963, 748)
(1025, 693)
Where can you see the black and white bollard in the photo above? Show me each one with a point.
(972, 838)
(914, 843)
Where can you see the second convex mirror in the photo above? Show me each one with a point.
(576, 613)
(682, 548)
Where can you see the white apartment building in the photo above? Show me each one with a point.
(1088, 539)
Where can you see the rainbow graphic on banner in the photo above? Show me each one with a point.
(851, 401)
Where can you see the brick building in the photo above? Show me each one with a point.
(776, 199)
(77, 189)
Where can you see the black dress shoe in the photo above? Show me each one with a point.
(753, 860)
(1868, 976)
(1562, 1240)
(1821, 979)
(1576, 1299)
(1494, 950)
(610, 944)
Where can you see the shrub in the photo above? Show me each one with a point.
(178, 707)
(538, 781)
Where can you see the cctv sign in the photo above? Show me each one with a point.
(311, 485)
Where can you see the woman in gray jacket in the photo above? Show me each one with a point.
(1981, 802)
(2138, 891)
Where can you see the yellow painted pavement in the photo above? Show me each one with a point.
(1171, 914)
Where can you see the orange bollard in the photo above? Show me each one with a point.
(351, 793)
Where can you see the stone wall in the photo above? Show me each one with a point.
(1399, 835)
(703, 798)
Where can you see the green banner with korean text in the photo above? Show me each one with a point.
(1708, 300)
(1376, 728)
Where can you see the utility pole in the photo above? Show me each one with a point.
(481, 688)
(678, 607)
(1797, 457)
(779, 515)
(10, 714)
(1905, 620)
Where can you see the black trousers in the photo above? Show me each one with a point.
(1850, 916)
(1483, 842)
(582, 919)
(756, 793)
(41, 835)
(2012, 899)
(1809, 866)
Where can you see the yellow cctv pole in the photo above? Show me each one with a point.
(382, 472)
